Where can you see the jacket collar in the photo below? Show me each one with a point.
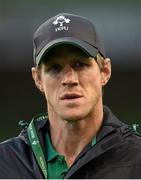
(41, 121)
(110, 124)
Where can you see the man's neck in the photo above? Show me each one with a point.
(70, 137)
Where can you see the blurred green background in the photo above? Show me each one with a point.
(119, 24)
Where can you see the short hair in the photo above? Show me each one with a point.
(99, 59)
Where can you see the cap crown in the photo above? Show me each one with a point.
(66, 25)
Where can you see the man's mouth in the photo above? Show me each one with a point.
(70, 96)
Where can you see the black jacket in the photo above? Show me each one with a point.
(117, 154)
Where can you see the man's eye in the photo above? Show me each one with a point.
(55, 68)
(80, 64)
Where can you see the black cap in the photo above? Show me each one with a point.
(66, 28)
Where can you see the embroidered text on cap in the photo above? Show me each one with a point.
(61, 20)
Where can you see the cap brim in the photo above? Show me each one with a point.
(87, 48)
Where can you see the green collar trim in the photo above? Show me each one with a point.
(51, 153)
(93, 141)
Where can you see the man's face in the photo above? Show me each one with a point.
(72, 83)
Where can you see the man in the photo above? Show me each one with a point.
(78, 137)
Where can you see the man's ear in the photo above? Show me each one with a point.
(106, 71)
(36, 75)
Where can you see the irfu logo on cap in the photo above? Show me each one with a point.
(61, 20)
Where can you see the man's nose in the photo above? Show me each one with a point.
(69, 77)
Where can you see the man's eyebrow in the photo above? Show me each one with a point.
(49, 59)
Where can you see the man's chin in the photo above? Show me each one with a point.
(73, 117)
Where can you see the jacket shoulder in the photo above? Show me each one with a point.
(17, 160)
(15, 144)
